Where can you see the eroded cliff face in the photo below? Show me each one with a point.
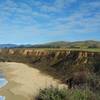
(41, 52)
(77, 66)
(54, 56)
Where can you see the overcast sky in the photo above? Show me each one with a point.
(40, 21)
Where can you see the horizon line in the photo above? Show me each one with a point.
(48, 42)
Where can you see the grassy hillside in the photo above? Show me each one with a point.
(64, 44)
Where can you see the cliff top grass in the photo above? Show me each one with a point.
(95, 50)
(66, 49)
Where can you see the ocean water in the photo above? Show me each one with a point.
(2, 98)
(3, 82)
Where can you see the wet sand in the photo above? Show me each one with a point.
(25, 82)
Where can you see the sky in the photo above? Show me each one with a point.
(41, 21)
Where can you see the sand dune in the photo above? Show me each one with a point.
(24, 81)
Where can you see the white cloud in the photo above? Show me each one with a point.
(56, 6)
(85, 19)
(82, 21)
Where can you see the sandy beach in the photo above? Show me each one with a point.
(24, 82)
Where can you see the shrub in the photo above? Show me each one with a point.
(79, 94)
(64, 94)
(52, 94)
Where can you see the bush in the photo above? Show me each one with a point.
(52, 94)
(79, 94)
(64, 94)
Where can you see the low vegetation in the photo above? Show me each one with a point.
(64, 94)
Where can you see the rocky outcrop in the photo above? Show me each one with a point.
(54, 58)
(55, 53)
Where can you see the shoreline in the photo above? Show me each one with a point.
(24, 82)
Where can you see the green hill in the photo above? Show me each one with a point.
(64, 44)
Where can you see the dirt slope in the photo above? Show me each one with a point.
(24, 81)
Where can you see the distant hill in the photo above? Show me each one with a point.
(85, 44)
(58, 44)
(8, 45)
(77, 44)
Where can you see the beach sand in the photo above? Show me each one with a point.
(24, 82)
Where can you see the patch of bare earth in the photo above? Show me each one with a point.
(25, 82)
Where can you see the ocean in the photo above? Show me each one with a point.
(3, 82)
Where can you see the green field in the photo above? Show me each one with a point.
(67, 49)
